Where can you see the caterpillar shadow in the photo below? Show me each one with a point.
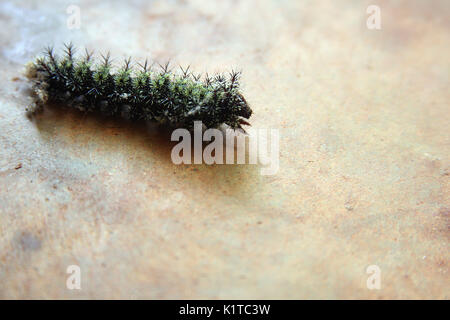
(142, 146)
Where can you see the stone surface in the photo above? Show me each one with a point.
(363, 117)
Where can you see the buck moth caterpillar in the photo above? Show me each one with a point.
(176, 99)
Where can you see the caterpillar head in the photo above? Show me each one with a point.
(243, 107)
(241, 114)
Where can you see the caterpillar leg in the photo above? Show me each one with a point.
(39, 91)
(33, 109)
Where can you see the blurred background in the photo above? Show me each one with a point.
(363, 117)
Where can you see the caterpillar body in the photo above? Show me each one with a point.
(176, 99)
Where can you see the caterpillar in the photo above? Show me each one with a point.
(176, 99)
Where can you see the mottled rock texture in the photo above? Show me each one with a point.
(363, 117)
